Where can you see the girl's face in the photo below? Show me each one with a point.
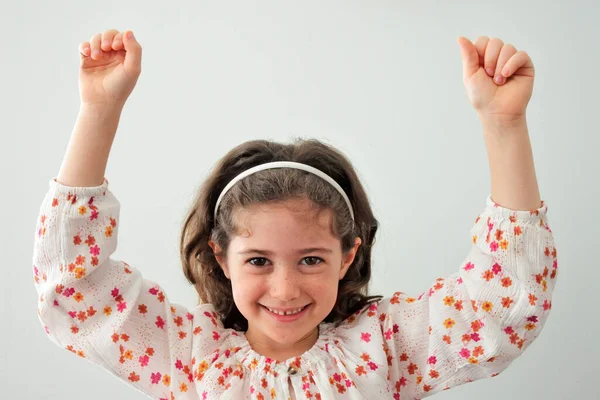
(285, 260)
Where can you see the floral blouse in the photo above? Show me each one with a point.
(468, 326)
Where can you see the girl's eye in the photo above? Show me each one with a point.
(261, 261)
(313, 260)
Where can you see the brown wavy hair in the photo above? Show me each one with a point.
(199, 263)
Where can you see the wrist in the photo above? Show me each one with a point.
(503, 127)
(101, 111)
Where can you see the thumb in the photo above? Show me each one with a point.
(133, 56)
(470, 58)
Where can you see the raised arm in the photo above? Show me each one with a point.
(89, 303)
(473, 324)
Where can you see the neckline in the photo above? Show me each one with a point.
(255, 361)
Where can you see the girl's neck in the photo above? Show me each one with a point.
(281, 352)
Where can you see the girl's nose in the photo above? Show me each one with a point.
(284, 284)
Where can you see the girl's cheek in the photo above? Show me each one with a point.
(247, 284)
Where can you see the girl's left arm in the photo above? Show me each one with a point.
(473, 324)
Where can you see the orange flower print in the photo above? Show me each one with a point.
(487, 306)
(79, 272)
(506, 282)
(449, 323)
(458, 305)
(506, 302)
(532, 299)
(488, 274)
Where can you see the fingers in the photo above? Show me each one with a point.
(109, 40)
(133, 61)
(507, 51)
(84, 49)
(499, 60)
(117, 43)
(481, 44)
(491, 55)
(518, 62)
(96, 53)
(470, 59)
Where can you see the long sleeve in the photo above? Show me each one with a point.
(102, 309)
(473, 324)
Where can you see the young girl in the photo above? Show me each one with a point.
(278, 245)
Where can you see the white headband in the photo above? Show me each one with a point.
(285, 164)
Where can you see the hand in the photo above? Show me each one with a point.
(110, 66)
(504, 102)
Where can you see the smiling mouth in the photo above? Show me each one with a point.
(286, 312)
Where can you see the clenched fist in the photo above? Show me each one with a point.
(111, 63)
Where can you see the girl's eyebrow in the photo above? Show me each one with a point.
(300, 251)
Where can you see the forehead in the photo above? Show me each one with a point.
(297, 217)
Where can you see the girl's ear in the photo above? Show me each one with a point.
(349, 258)
(219, 257)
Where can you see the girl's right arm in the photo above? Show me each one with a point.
(97, 307)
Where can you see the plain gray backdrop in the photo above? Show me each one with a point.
(381, 80)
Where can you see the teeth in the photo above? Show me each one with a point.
(291, 312)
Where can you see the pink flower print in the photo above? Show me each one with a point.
(153, 291)
(216, 335)
(178, 364)
(465, 353)
(160, 322)
(432, 360)
(496, 268)
(494, 246)
(95, 250)
(121, 306)
(365, 337)
(155, 378)
(115, 292)
(144, 360)
(469, 266)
